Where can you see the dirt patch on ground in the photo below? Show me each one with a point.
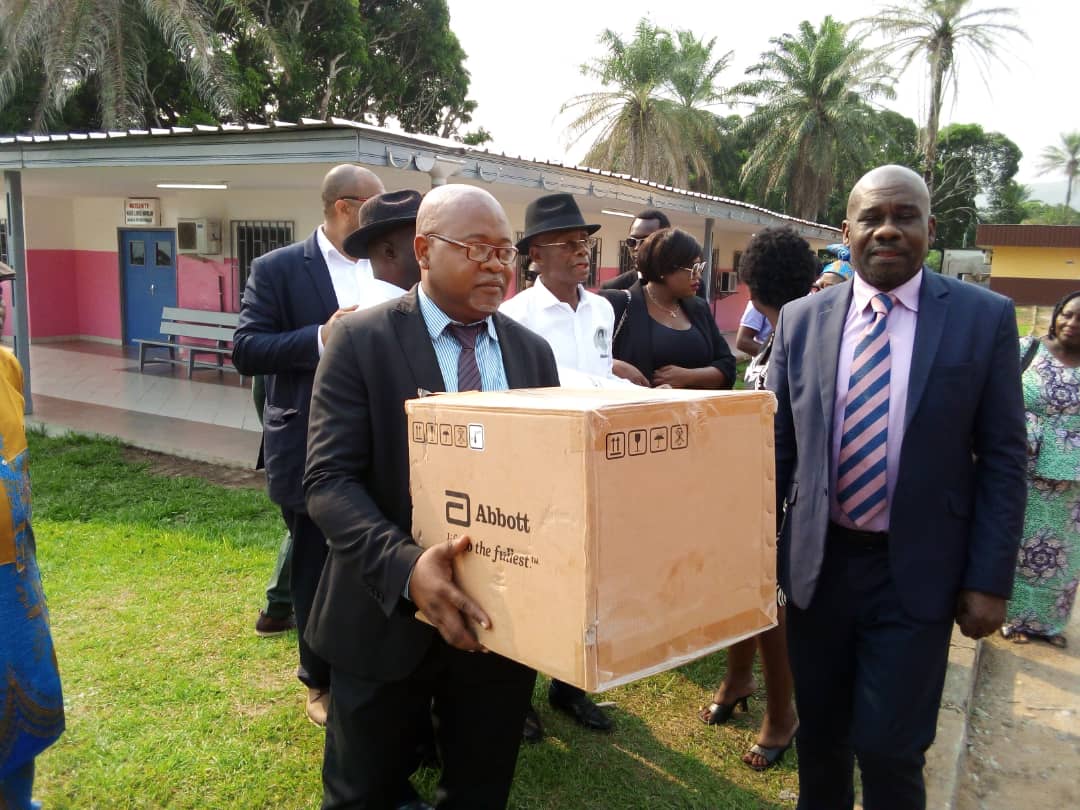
(175, 467)
(1024, 737)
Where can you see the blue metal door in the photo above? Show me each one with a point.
(149, 262)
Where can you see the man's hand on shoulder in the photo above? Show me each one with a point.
(333, 319)
(979, 614)
(445, 605)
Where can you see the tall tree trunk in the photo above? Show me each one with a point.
(938, 67)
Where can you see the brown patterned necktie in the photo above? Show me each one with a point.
(468, 371)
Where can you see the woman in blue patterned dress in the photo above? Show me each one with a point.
(31, 706)
(1048, 565)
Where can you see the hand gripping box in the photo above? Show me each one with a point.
(614, 533)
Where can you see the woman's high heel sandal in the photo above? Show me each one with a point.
(717, 713)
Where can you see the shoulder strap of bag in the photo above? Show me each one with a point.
(622, 320)
(1029, 354)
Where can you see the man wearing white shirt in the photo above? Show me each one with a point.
(579, 326)
(293, 298)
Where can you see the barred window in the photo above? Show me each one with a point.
(724, 282)
(3, 242)
(252, 238)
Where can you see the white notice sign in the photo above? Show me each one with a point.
(143, 211)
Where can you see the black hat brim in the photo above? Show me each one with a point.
(523, 243)
(356, 243)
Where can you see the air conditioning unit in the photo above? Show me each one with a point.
(198, 236)
(727, 282)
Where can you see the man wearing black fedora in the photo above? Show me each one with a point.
(385, 238)
(578, 325)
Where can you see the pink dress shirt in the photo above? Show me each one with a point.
(901, 328)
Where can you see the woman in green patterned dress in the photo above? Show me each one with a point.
(1048, 565)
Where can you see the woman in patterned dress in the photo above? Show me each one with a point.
(1048, 565)
(31, 706)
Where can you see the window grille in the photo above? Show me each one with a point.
(3, 242)
(724, 282)
(252, 238)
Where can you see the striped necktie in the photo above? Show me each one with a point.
(861, 481)
(468, 371)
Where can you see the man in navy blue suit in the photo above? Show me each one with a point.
(900, 448)
(293, 298)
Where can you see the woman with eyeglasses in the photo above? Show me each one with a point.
(661, 327)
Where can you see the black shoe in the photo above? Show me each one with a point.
(533, 732)
(414, 804)
(578, 706)
(266, 626)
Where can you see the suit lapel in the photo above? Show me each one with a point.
(319, 273)
(415, 342)
(831, 322)
(929, 326)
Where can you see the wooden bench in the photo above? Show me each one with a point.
(199, 324)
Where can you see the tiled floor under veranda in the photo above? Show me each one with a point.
(97, 388)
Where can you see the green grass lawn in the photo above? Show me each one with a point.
(172, 701)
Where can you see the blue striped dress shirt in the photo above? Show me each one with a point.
(488, 355)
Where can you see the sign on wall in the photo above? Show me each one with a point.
(143, 211)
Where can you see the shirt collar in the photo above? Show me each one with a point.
(328, 250)
(907, 293)
(436, 320)
(548, 299)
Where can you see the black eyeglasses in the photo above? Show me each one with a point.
(633, 241)
(571, 245)
(357, 201)
(480, 252)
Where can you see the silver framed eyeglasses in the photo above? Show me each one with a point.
(480, 252)
(694, 270)
(571, 245)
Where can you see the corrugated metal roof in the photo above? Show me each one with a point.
(1056, 236)
(443, 144)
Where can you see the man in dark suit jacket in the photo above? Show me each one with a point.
(648, 221)
(904, 502)
(290, 306)
(391, 671)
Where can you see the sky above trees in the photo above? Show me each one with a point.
(524, 64)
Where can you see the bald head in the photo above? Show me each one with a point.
(465, 289)
(455, 202)
(891, 176)
(888, 227)
(346, 181)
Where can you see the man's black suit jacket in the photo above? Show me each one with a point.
(357, 479)
(288, 295)
(634, 344)
(623, 281)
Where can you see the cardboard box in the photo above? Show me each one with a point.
(614, 533)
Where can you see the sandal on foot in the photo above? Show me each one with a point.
(771, 755)
(716, 714)
(1015, 636)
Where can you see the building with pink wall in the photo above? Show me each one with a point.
(74, 187)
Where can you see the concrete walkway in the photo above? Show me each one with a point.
(97, 389)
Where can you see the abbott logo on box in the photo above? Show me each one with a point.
(458, 508)
(459, 513)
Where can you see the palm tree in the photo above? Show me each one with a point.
(813, 116)
(653, 123)
(69, 44)
(1064, 159)
(939, 30)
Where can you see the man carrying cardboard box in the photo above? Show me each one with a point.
(391, 671)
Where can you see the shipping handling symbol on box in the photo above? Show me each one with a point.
(449, 435)
(638, 442)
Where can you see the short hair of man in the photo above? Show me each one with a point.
(343, 181)
(659, 216)
(664, 250)
(778, 266)
(1058, 307)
